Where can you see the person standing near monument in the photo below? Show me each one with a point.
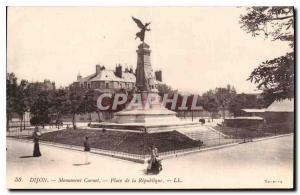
(36, 136)
(152, 157)
(87, 149)
(154, 163)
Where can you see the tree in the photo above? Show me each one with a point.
(242, 101)
(276, 76)
(218, 99)
(74, 103)
(40, 102)
(21, 101)
(191, 102)
(58, 104)
(224, 97)
(165, 89)
(210, 102)
(11, 93)
(41, 108)
(89, 104)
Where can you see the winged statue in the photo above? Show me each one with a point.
(143, 28)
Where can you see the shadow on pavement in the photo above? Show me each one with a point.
(80, 164)
(26, 157)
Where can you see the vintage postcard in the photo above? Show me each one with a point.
(150, 98)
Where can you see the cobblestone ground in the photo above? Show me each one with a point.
(262, 164)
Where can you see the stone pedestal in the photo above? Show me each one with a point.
(150, 116)
(144, 71)
(151, 111)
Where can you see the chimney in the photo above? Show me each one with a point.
(126, 70)
(158, 75)
(78, 76)
(98, 69)
(130, 69)
(119, 71)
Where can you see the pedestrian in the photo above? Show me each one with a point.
(87, 149)
(153, 156)
(151, 159)
(36, 136)
(154, 165)
(155, 152)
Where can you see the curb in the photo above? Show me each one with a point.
(271, 137)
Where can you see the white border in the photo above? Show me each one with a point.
(5, 3)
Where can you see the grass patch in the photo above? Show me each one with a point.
(129, 142)
(241, 133)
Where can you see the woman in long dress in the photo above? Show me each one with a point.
(154, 155)
(87, 149)
(36, 148)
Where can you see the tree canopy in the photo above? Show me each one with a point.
(275, 76)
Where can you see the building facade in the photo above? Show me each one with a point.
(107, 80)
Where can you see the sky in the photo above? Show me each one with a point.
(197, 48)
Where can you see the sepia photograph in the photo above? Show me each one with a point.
(150, 97)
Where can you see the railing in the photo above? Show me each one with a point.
(257, 131)
(112, 153)
(16, 132)
(115, 153)
(206, 144)
(233, 135)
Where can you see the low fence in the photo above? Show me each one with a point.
(220, 136)
(257, 131)
(140, 158)
(16, 132)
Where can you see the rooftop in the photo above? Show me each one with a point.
(281, 106)
(250, 110)
(109, 75)
(245, 117)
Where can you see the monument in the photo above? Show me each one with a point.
(151, 116)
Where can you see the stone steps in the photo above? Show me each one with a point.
(202, 134)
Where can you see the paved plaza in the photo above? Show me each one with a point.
(261, 164)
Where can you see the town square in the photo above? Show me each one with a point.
(150, 98)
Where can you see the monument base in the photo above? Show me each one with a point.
(151, 117)
(148, 114)
(148, 127)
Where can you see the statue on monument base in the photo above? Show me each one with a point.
(148, 115)
(151, 109)
(143, 28)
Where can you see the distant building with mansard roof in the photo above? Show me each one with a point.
(107, 80)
